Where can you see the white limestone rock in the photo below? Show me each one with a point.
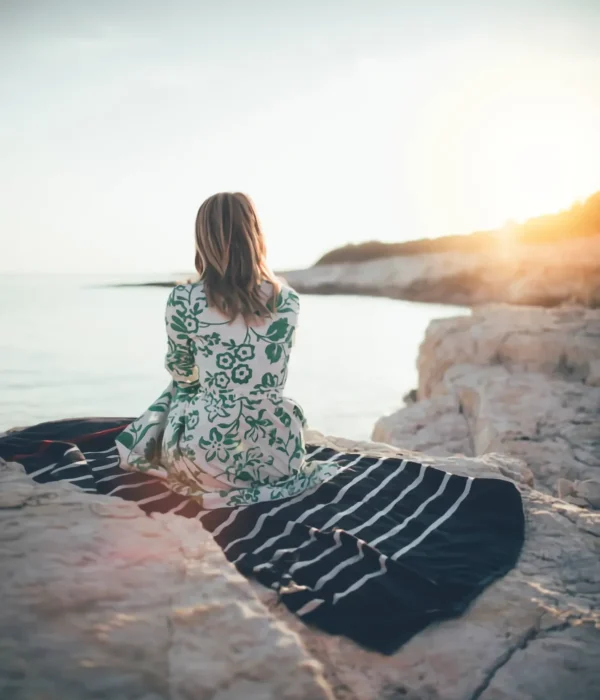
(563, 343)
(589, 490)
(515, 381)
(593, 377)
(99, 600)
(434, 426)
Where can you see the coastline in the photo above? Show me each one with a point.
(533, 275)
(144, 284)
(547, 275)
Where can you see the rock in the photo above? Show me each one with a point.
(588, 490)
(563, 343)
(593, 378)
(410, 397)
(577, 501)
(509, 380)
(564, 488)
(534, 634)
(433, 426)
(540, 274)
(99, 600)
(17, 490)
(551, 424)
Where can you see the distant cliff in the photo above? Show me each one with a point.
(541, 274)
(581, 220)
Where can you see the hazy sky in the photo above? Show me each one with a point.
(344, 120)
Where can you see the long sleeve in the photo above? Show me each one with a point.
(180, 361)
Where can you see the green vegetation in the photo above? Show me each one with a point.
(582, 219)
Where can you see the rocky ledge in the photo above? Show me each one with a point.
(101, 601)
(519, 381)
(511, 272)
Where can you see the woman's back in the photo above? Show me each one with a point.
(224, 431)
(232, 357)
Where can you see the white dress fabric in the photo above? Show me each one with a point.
(223, 431)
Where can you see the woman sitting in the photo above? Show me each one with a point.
(223, 431)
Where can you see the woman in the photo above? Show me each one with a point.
(223, 432)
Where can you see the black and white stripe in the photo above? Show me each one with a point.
(376, 553)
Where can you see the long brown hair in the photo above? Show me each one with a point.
(231, 258)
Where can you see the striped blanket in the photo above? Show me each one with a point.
(377, 553)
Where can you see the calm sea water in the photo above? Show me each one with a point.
(72, 346)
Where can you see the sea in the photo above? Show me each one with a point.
(78, 345)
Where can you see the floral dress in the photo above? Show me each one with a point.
(223, 432)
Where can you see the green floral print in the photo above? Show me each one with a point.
(223, 431)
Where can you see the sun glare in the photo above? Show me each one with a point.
(511, 142)
(530, 155)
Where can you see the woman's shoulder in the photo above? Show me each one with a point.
(276, 281)
(288, 291)
(187, 292)
(287, 299)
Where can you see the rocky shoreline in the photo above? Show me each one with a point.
(547, 275)
(535, 274)
(522, 381)
(102, 600)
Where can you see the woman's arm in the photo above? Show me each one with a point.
(180, 360)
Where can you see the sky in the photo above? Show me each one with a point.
(345, 121)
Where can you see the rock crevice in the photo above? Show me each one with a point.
(527, 638)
